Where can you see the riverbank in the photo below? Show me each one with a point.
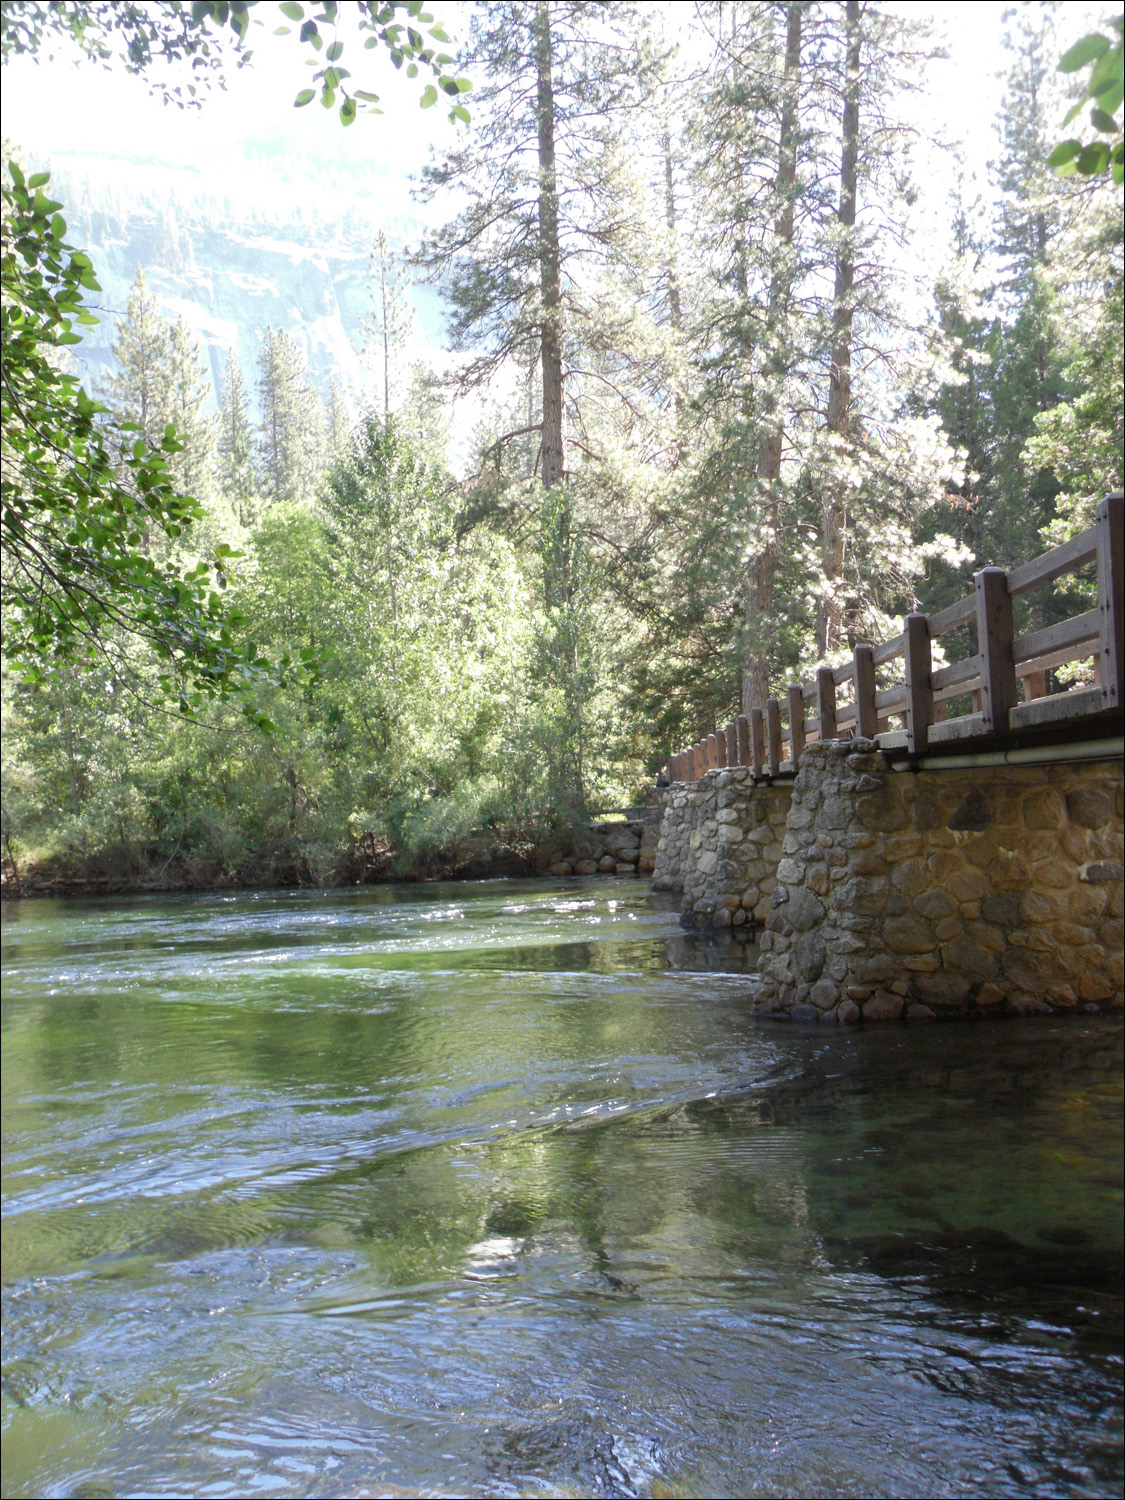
(621, 846)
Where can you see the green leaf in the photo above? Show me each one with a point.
(292, 10)
(37, 179)
(1065, 151)
(370, 98)
(1110, 99)
(459, 112)
(429, 96)
(309, 33)
(347, 112)
(1093, 159)
(1107, 73)
(1103, 122)
(334, 51)
(1083, 52)
(306, 96)
(328, 97)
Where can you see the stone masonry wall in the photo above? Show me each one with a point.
(944, 892)
(654, 816)
(720, 843)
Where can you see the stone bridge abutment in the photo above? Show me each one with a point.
(886, 892)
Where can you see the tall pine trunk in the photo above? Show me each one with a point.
(759, 599)
(830, 614)
(550, 279)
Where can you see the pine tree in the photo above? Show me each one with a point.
(389, 325)
(525, 265)
(189, 393)
(1026, 338)
(1080, 440)
(757, 341)
(291, 431)
(337, 423)
(237, 481)
(1010, 351)
(140, 388)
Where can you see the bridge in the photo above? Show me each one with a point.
(989, 878)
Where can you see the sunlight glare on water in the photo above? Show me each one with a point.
(499, 1189)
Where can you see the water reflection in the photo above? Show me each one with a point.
(349, 1195)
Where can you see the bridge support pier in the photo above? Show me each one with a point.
(978, 890)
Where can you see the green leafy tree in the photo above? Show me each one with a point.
(120, 33)
(77, 500)
(1103, 91)
(72, 524)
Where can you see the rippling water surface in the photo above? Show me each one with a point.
(497, 1189)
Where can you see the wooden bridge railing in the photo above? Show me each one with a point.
(847, 700)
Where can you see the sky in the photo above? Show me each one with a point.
(76, 106)
(250, 143)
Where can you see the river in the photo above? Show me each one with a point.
(498, 1189)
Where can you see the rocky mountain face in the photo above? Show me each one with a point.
(229, 270)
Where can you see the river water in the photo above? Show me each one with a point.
(497, 1189)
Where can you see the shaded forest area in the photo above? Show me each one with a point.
(734, 427)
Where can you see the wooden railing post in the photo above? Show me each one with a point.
(1111, 576)
(796, 697)
(866, 714)
(732, 744)
(773, 736)
(743, 725)
(995, 632)
(826, 703)
(757, 741)
(712, 752)
(919, 684)
(721, 747)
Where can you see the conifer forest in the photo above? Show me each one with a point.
(731, 421)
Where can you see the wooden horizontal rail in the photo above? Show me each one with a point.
(960, 671)
(1068, 558)
(991, 676)
(1066, 633)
